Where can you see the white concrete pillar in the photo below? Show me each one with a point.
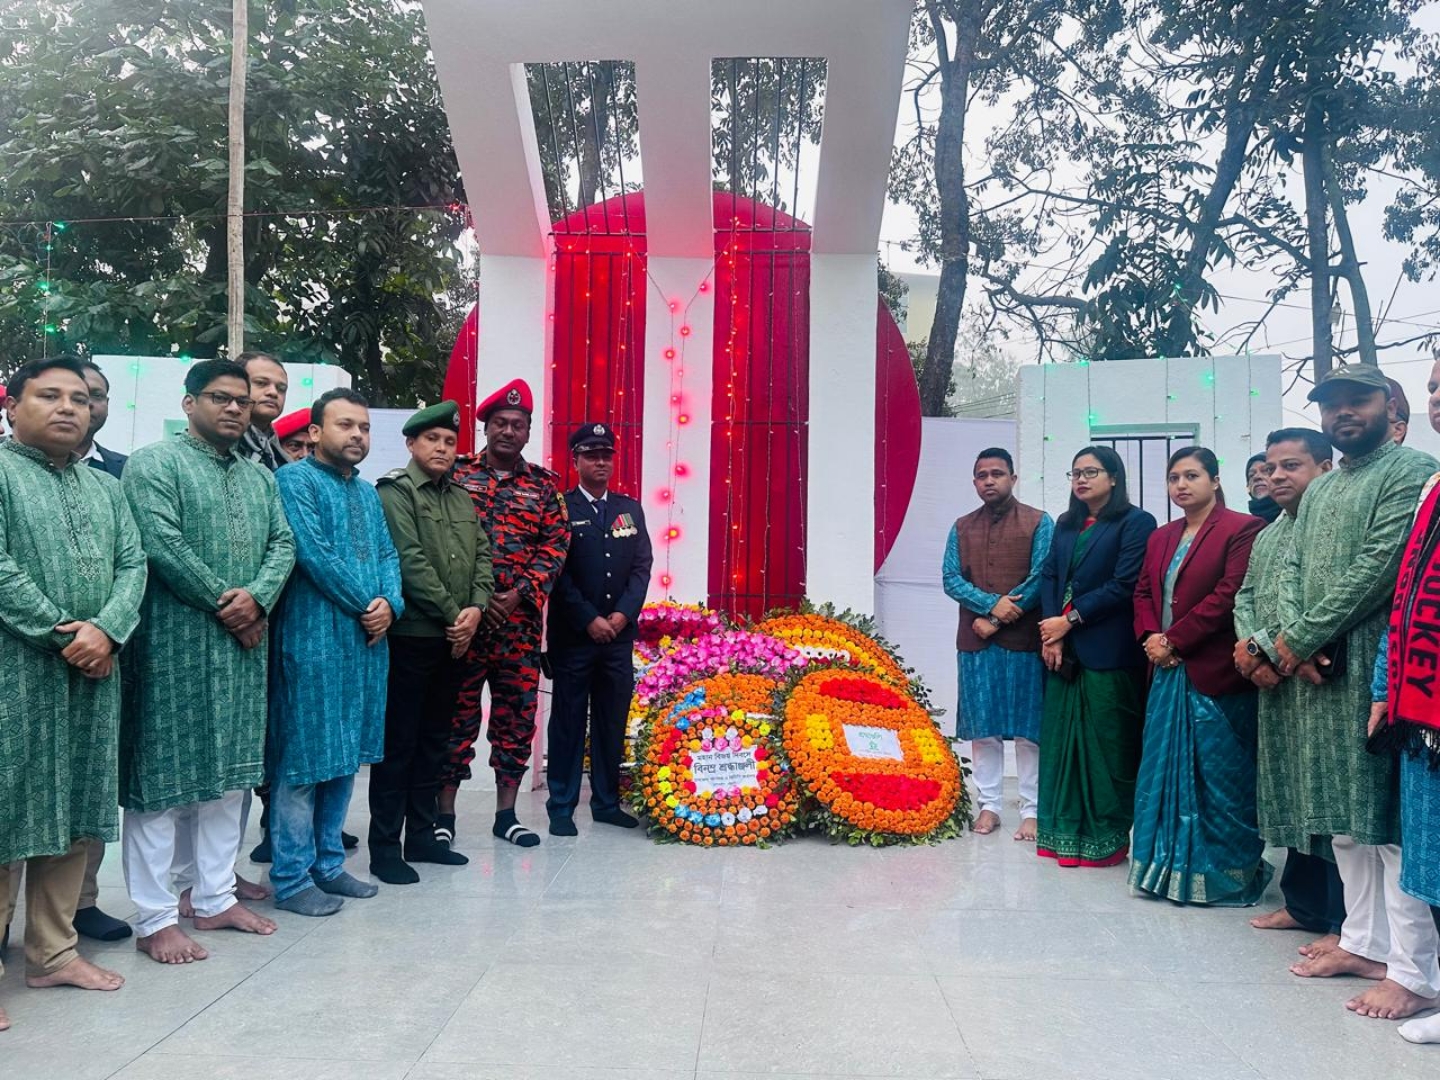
(687, 375)
(840, 509)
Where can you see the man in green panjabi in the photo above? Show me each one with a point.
(74, 575)
(1335, 592)
(193, 737)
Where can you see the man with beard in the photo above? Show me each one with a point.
(74, 575)
(328, 707)
(1314, 898)
(263, 444)
(523, 512)
(993, 559)
(1335, 594)
(193, 733)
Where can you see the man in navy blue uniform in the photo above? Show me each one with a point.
(593, 609)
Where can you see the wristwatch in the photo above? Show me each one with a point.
(1252, 648)
(1072, 617)
(993, 621)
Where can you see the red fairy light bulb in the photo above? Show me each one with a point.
(669, 354)
(672, 533)
(663, 495)
(683, 418)
(684, 331)
(674, 305)
(682, 469)
(665, 580)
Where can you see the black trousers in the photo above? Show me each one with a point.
(596, 680)
(1313, 893)
(419, 708)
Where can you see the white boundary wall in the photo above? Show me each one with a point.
(1230, 402)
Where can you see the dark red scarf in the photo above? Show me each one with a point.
(1414, 692)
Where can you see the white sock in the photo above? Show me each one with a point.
(1426, 1029)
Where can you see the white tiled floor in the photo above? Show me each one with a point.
(607, 957)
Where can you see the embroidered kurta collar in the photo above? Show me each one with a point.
(326, 467)
(36, 455)
(1380, 452)
(206, 448)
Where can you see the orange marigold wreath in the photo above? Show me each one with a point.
(722, 718)
(873, 759)
(826, 638)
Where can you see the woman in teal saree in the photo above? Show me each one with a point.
(1196, 840)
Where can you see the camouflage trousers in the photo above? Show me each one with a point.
(509, 662)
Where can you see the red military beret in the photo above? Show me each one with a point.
(513, 395)
(291, 423)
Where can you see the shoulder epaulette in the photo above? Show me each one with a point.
(390, 477)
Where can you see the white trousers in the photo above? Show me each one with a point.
(211, 832)
(1383, 922)
(988, 758)
(183, 867)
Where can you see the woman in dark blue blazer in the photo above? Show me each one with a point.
(1095, 693)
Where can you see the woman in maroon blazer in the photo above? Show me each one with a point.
(1196, 840)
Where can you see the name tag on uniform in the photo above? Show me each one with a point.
(624, 526)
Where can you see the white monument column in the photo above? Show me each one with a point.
(840, 505)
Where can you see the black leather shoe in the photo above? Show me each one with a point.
(563, 826)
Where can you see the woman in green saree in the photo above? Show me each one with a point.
(1095, 692)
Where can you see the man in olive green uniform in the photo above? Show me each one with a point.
(447, 582)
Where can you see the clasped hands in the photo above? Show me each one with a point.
(1260, 671)
(1007, 610)
(92, 652)
(603, 629)
(1160, 652)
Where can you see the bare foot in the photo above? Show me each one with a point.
(187, 909)
(987, 822)
(237, 917)
(1027, 830)
(1279, 919)
(79, 972)
(250, 890)
(4, 1021)
(1320, 946)
(1328, 965)
(171, 946)
(1389, 1001)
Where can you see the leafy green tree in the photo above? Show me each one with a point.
(115, 109)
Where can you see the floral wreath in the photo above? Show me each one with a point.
(871, 757)
(663, 625)
(710, 767)
(822, 634)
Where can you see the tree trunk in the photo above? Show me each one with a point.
(235, 202)
(955, 76)
(593, 130)
(1350, 268)
(1316, 205)
(1240, 114)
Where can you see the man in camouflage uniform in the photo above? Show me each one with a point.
(523, 511)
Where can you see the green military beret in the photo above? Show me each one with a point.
(445, 414)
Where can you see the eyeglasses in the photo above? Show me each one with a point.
(1087, 474)
(223, 400)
